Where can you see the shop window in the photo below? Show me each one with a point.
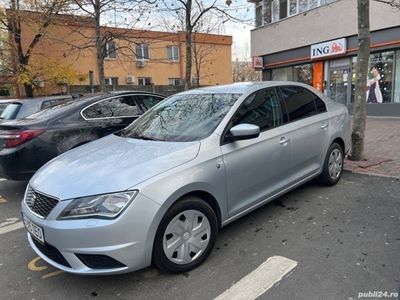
(380, 77)
(301, 73)
(397, 79)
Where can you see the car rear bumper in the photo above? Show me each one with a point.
(22, 162)
(97, 246)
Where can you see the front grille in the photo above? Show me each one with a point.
(39, 203)
(98, 261)
(52, 253)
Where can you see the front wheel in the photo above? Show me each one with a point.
(185, 236)
(333, 166)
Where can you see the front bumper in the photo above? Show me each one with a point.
(97, 246)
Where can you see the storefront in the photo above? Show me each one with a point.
(329, 66)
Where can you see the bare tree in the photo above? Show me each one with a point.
(11, 19)
(190, 13)
(360, 106)
(392, 3)
(126, 14)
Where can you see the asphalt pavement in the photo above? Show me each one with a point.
(341, 243)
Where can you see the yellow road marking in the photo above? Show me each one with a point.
(33, 267)
(52, 274)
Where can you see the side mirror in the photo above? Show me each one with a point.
(244, 132)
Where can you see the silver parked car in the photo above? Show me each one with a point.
(159, 190)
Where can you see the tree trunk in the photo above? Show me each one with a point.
(360, 103)
(28, 90)
(188, 36)
(99, 46)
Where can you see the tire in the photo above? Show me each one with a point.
(179, 246)
(333, 166)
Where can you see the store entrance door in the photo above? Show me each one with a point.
(339, 84)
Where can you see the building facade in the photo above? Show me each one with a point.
(134, 57)
(315, 42)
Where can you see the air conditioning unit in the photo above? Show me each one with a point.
(140, 63)
(130, 79)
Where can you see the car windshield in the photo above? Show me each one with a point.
(181, 118)
(9, 111)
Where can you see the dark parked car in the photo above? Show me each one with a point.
(28, 143)
(11, 109)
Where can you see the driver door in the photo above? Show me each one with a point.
(256, 168)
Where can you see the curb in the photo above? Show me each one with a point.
(373, 174)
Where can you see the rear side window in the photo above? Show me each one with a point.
(299, 102)
(148, 100)
(9, 111)
(118, 107)
(261, 108)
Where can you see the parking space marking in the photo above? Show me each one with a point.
(2, 200)
(52, 274)
(8, 228)
(260, 280)
(33, 267)
(2, 179)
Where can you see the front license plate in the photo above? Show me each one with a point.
(34, 230)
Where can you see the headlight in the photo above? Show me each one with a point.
(102, 206)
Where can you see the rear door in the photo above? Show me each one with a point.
(111, 114)
(256, 168)
(307, 125)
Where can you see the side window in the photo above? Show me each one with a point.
(261, 108)
(115, 107)
(321, 107)
(148, 100)
(299, 102)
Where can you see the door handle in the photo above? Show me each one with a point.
(324, 125)
(284, 141)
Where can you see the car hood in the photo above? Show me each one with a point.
(111, 164)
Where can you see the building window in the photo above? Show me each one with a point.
(173, 53)
(174, 81)
(275, 10)
(111, 82)
(142, 51)
(111, 50)
(144, 81)
(259, 13)
(268, 11)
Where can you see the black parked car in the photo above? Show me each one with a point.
(11, 109)
(28, 143)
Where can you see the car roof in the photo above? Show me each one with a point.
(36, 99)
(134, 92)
(242, 87)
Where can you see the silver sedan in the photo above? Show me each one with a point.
(159, 190)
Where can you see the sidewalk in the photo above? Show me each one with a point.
(382, 148)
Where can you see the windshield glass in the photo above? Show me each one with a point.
(188, 117)
(9, 111)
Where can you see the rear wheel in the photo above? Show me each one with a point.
(333, 166)
(185, 236)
